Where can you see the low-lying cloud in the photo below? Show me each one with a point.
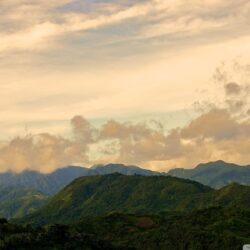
(45, 152)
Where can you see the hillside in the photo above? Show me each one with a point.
(100, 195)
(215, 174)
(213, 228)
(18, 202)
(97, 195)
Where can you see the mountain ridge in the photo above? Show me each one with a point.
(214, 174)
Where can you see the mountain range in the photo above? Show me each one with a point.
(214, 174)
(23, 193)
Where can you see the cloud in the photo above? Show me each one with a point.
(41, 29)
(216, 123)
(206, 138)
(46, 152)
(30, 39)
(236, 92)
(213, 135)
(30, 25)
(219, 132)
(232, 88)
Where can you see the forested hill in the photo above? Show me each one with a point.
(100, 195)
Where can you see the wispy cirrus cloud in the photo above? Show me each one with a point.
(35, 25)
(32, 25)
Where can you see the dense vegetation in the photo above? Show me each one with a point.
(215, 174)
(213, 228)
(99, 195)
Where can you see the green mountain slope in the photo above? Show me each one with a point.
(213, 228)
(18, 202)
(215, 174)
(98, 195)
(233, 195)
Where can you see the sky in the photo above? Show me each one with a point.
(155, 83)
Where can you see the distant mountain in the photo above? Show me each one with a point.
(45, 183)
(123, 169)
(51, 183)
(215, 174)
(100, 195)
(18, 202)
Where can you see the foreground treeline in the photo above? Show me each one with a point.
(213, 228)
